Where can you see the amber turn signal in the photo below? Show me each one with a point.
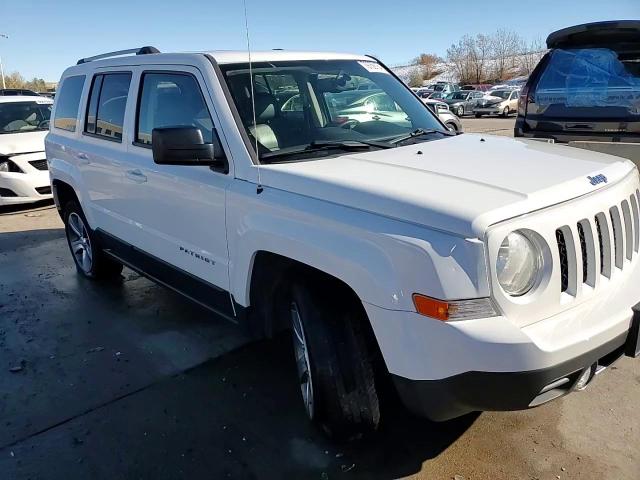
(432, 307)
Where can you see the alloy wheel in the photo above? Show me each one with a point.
(79, 242)
(302, 360)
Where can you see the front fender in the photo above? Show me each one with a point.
(383, 260)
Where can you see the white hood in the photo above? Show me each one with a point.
(23, 142)
(460, 184)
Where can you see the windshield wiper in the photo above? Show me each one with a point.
(416, 133)
(320, 145)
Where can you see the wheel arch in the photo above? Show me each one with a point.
(270, 278)
(63, 193)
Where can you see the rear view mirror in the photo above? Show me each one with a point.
(186, 146)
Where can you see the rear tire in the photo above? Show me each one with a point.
(84, 245)
(335, 365)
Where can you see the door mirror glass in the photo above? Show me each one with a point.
(186, 146)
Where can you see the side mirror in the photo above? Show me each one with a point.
(185, 146)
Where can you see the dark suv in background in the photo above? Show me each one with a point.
(586, 90)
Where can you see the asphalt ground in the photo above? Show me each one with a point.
(127, 380)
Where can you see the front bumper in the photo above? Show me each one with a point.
(18, 188)
(446, 369)
(488, 110)
(451, 397)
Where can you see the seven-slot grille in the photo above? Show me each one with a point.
(616, 238)
(40, 164)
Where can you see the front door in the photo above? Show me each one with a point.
(177, 211)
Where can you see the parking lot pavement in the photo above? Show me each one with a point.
(490, 125)
(128, 380)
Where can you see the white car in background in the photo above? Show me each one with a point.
(24, 173)
(499, 102)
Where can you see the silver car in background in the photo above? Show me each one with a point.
(445, 115)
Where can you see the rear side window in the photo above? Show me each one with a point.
(107, 103)
(68, 103)
(171, 100)
(588, 83)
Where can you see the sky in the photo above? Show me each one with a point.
(45, 37)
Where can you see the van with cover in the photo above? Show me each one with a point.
(315, 193)
(585, 91)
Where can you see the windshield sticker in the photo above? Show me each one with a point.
(589, 77)
(373, 67)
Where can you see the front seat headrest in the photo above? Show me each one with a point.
(265, 107)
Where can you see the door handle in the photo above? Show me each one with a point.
(136, 175)
(83, 157)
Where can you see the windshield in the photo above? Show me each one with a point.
(16, 117)
(500, 93)
(457, 96)
(304, 103)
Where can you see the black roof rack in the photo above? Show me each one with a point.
(138, 51)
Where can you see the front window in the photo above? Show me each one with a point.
(457, 96)
(504, 94)
(18, 117)
(302, 104)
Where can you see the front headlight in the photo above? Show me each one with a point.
(8, 166)
(518, 265)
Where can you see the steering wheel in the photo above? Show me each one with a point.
(44, 124)
(350, 124)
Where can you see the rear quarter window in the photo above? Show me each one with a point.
(68, 103)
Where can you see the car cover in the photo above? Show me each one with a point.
(586, 78)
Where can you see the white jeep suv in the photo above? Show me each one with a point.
(479, 272)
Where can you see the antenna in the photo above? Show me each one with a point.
(253, 98)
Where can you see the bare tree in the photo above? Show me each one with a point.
(460, 57)
(505, 45)
(16, 80)
(530, 54)
(428, 63)
(415, 78)
(482, 53)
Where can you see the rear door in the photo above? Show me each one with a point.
(102, 151)
(177, 211)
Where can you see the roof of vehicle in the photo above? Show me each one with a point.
(147, 55)
(13, 91)
(25, 98)
(616, 32)
(242, 56)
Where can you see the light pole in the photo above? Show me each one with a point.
(2, 35)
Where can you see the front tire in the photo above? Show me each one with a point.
(334, 363)
(89, 258)
(460, 111)
(505, 112)
(478, 115)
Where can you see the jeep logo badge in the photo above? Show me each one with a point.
(596, 179)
